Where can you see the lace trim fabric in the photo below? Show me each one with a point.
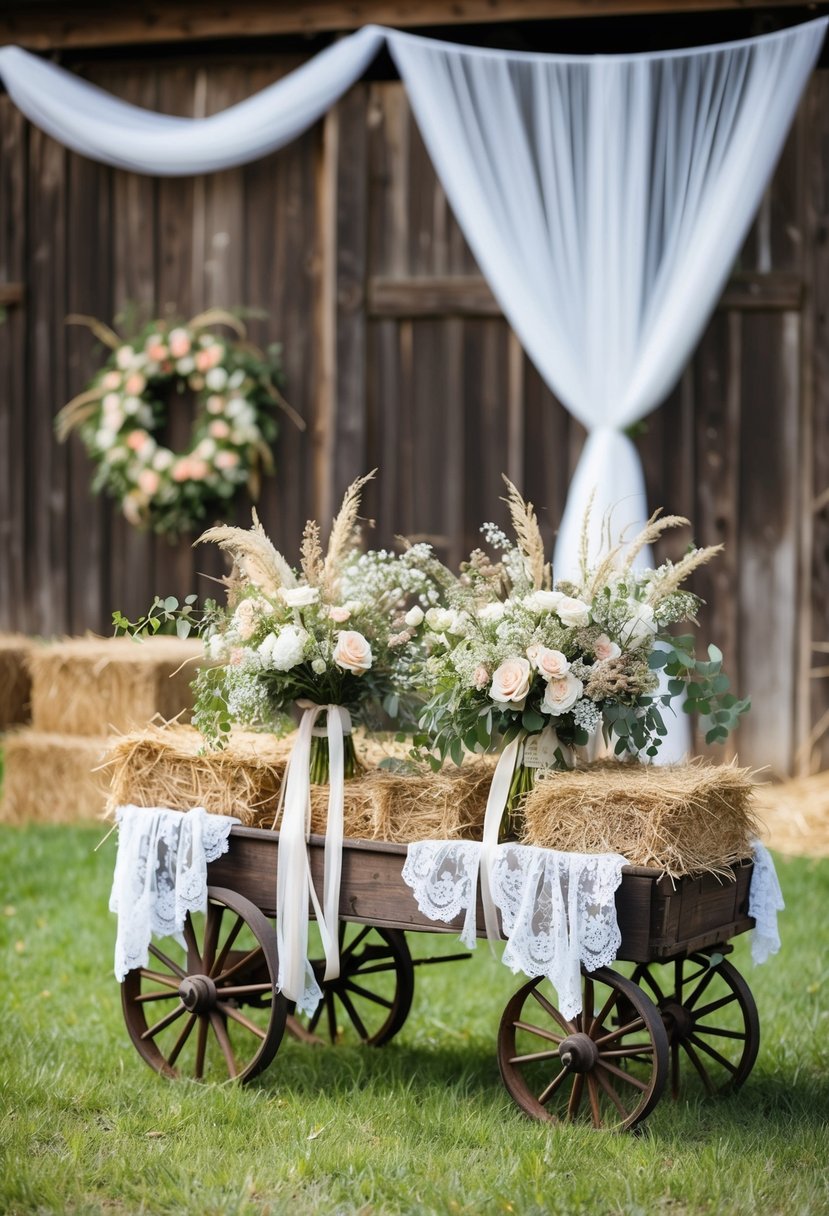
(160, 875)
(765, 900)
(558, 910)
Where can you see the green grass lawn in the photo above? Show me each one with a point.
(422, 1125)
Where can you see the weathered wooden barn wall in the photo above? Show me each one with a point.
(396, 356)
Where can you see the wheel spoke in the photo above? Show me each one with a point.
(168, 962)
(700, 1067)
(332, 1016)
(219, 962)
(167, 1020)
(220, 1031)
(557, 1080)
(548, 1007)
(575, 1096)
(194, 960)
(620, 1032)
(540, 1031)
(243, 990)
(700, 988)
(611, 1093)
(212, 929)
(313, 1021)
(715, 1055)
(632, 1050)
(650, 979)
(593, 1094)
(169, 995)
(369, 996)
(715, 1005)
(723, 1034)
(356, 1020)
(231, 1012)
(159, 978)
(587, 1010)
(675, 1068)
(181, 1040)
(390, 966)
(552, 1054)
(620, 1075)
(201, 1047)
(241, 965)
(352, 945)
(601, 1017)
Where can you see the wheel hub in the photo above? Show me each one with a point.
(578, 1053)
(197, 993)
(679, 1022)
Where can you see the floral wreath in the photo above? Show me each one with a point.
(120, 414)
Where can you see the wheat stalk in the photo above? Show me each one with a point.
(259, 563)
(528, 536)
(677, 574)
(311, 554)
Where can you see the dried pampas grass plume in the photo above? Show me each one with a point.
(528, 535)
(343, 531)
(258, 562)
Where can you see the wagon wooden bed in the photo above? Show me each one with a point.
(684, 1005)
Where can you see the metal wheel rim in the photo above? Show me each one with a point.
(252, 979)
(608, 1092)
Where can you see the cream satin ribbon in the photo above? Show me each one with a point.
(495, 805)
(294, 884)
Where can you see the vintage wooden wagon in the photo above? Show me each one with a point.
(212, 1010)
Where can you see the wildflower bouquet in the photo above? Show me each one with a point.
(333, 632)
(514, 658)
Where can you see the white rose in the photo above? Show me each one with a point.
(163, 459)
(640, 626)
(104, 438)
(216, 379)
(112, 403)
(354, 606)
(352, 652)
(604, 649)
(511, 682)
(561, 695)
(414, 617)
(186, 365)
(299, 597)
(543, 601)
(206, 449)
(132, 405)
(492, 612)
(285, 649)
(124, 357)
(237, 379)
(572, 612)
(551, 664)
(440, 620)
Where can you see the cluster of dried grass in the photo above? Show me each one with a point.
(168, 766)
(89, 686)
(15, 684)
(51, 778)
(683, 819)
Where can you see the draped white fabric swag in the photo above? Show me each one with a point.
(605, 199)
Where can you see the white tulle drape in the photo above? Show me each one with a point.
(605, 200)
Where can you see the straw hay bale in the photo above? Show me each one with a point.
(49, 778)
(795, 815)
(168, 766)
(15, 685)
(88, 686)
(683, 819)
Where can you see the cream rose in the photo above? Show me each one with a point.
(299, 597)
(440, 620)
(573, 612)
(561, 695)
(481, 677)
(552, 664)
(352, 652)
(543, 601)
(339, 613)
(511, 682)
(640, 626)
(604, 649)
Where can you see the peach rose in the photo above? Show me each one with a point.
(179, 343)
(352, 652)
(481, 677)
(226, 460)
(339, 613)
(181, 471)
(136, 440)
(199, 469)
(215, 404)
(219, 429)
(148, 481)
(111, 380)
(511, 682)
(135, 384)
(561, 695)
(552, 664)
(210, 357)
(605, 649)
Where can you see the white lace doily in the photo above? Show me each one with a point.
(558, 910)
(160, 875)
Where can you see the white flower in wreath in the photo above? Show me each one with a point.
(104, 438)
(215, 404)
(216, 379)
(186, 365)
(236, 379)
(561, 695)
(163, 459)
(285, 649)
(124, 357)
(572, 612)
(299, 597)
(131, 406)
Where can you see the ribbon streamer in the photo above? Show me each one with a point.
(495, 804)
(294, 884)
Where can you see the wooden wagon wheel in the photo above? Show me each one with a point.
(589, 1068)
(371, 998)
(710, 1016)
(209, 1010)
